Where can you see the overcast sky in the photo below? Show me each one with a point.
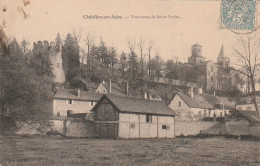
(198, 22)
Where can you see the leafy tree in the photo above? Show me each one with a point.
(70, 55)
(123, 61)
(40, 62)
(133, 63)
(24, 95)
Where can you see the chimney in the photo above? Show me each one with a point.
(200, 91)
(109, 86)
(103, 82)
(191, 91)
(145, 95)
(214, 93)
(126, 88)
(78, 92)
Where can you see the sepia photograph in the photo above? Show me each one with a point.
(129, 82)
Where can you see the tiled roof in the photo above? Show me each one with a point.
(227, 103)
(116, 89)
(203, 102)
(211, 99)
(251, 116)
(137, 105)
(71, 94)
(191, 102)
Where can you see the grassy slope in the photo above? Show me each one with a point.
(58, 151)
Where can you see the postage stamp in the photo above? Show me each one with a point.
(239, 15)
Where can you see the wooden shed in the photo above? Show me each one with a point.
(128, 117)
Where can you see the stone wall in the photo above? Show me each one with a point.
(191, 128)
(79, 128)
(73, 127)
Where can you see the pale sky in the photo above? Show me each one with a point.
(198, 23)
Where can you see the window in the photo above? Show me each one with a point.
(221, 114)
(211, 68)
(69, 112)
(92, 103)
(205, 112)
(165, 127)
(179, 104)
(248, 100)
(149, 118)
(58, 114)
(69, 101)
(132, 126)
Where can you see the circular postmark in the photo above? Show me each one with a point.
(239, 16)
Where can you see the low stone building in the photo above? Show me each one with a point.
(128, 117)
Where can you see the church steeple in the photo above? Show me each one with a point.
(222, 60)
(221, 53)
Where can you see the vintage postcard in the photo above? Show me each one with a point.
(136, 82)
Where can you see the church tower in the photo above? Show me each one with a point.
(196, 54)
(222, 60)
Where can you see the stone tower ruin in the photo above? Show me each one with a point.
(55, 57)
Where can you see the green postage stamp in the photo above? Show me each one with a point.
(240, 15)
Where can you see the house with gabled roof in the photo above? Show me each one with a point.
(68, 102)
(187, 108)
(112, 88)
(247, 102)
(197, 107)
(128, 117)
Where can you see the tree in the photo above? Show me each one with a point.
(247, 53)
(24, 95)
(70, 55)
(58, 42)
(123, 61)
(150, 47)
(132, 58)
(89, 42)
(40, 62)
(141, 47)
(112, 56)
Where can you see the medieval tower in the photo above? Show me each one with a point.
(55, 57)
(196, 55)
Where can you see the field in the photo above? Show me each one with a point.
(38, 150)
